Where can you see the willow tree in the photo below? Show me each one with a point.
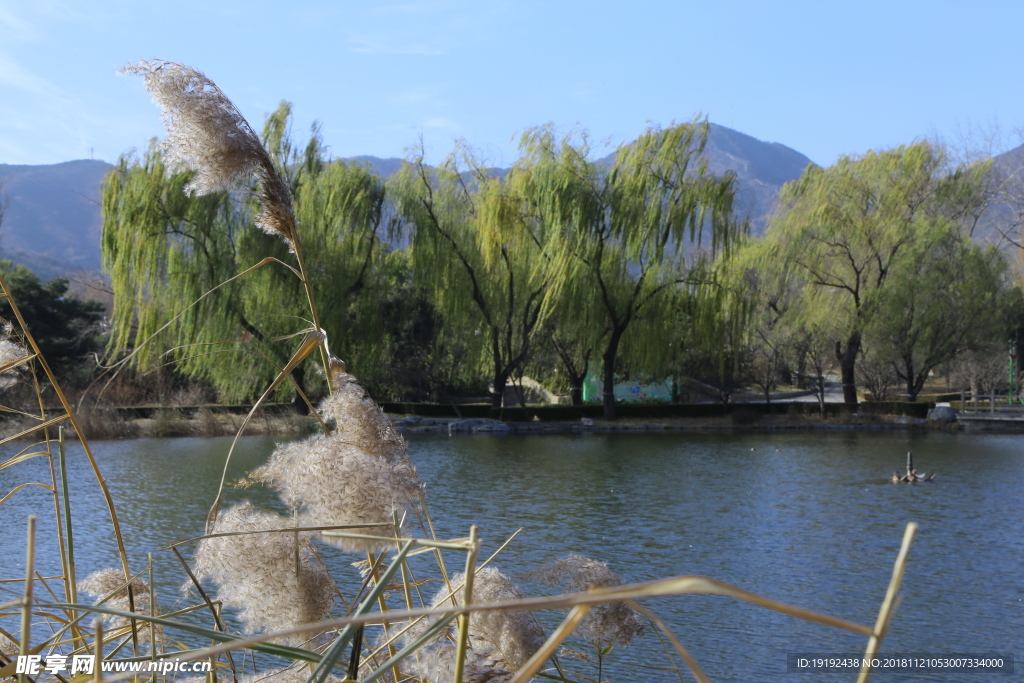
(638, 231)
(847, 231)
(947, 299)
(165, 248)
(483, 259)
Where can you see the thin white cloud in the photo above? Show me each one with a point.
(14, 75)
(408, 8)
(418, 95)
(14, 26)
(441, 122)
(392, 45)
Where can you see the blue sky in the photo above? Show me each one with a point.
(824, 78)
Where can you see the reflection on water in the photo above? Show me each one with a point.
(804, 518)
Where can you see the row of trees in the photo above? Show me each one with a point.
(441, 276)
(870, 262)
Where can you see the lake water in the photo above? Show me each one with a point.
(808, 518)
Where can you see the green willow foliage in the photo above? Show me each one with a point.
(485, 261)
(641, 235)
(165, 249)
(852, 240)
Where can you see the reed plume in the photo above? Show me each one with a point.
(207, 134)
(361, 421)
(10, 352)
(606, 624)
(333, 482)
(296, 673)
(103, 582)
(357, 474)
(500, 642)
(258, 573)
(8, 648)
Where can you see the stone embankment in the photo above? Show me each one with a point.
(423, 425)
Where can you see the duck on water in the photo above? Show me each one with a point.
(912, 476)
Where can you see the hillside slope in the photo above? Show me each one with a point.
(52, 221)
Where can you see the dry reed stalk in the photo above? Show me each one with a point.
(69, 415)
(98, 652)
(572, 620)
(889, 603)
(462, 643)
(155, 611)
(684, 654)
(26, 599)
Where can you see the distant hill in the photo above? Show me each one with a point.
(52, 222)
(761, 168)
(1005, 218)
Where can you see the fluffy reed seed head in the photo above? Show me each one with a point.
(335, 482)
(10, 352)
(360, 420)
(607, 623)
(297, 673)
(207, 134)
(101, 583)
(8, 648)
(256, 572)
(500, 643)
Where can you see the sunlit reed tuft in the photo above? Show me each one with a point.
(207, 134)
(500, 642)
(358, 474)
(10, 352)
(8, 648)
(257, 572)
(101, 583)
(333, 482)
(360, 419)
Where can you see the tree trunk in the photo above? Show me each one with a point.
(577, 374)
(501, 374)
(608, 397)
(498, 391)
(299, 375)
(912, 389)
(847, 366)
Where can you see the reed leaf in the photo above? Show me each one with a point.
(312, 342)
(21, 458)
(571, 621)
(425, 637)
(257, 644)
(330, 658)
(21, 486)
